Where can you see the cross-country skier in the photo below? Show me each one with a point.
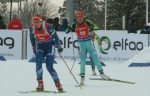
(81, 27)
(46, 38)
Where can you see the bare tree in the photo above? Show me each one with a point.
(43, 7)
(4, 12)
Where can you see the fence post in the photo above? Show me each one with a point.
(24, 43)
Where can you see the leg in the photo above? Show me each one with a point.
(92, 66)
(39, 70)
(92, 63)
(82, 56)
(50, 68)
(94, 57)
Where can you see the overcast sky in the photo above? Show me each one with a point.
(58, 2)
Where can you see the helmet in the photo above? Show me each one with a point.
(79, 14)
(37, 17)
(148, 24)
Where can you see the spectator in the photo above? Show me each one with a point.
(44, 18)
(15, 24)
(2, 25)
(145, 30)
(132, 27)
(50, 20)
(56, 24)
(64, 25)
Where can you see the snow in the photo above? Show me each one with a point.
(142, 57)
(19, 75)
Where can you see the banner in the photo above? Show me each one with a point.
(115, 47)
(11, 44)
(122, 46)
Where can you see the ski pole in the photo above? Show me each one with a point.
(73, 63)
(69, 70)
(73, 52)
(105, 41)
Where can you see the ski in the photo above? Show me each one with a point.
(80, 85)
(113, 80)
(94, 75)
(41, 91)
(89, 75)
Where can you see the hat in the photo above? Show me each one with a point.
(147, 27)
(14, 16)
(37, 17)
(148, 24)
(79, 14)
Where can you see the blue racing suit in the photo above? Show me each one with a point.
(46, 38)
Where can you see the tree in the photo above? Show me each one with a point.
(114, 14)
(93, 9)
(132, 9)
(4, 12)
(47, 9)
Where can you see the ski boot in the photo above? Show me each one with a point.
(93, 70)
(82, 80)
(40, 84)
(58, 86)
(103, 75)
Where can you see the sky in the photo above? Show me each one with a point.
(19, 75)
(58, 2)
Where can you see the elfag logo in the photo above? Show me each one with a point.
(106, 40)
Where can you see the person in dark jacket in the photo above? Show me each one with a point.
(2, 25)
(145, 30)
(50, 20)
(132, 27)
(56, 24)
(64, 25)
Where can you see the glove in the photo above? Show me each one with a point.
(60, 50)
(91, 28)
(100, 43)
(70, 28)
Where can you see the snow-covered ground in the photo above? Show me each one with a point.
(19, 75)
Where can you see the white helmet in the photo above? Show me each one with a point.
(148, 24)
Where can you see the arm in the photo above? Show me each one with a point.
(91, 25)
(8, 27)
(71, 28)
(54, 35)
(32, 39)
(20, 25)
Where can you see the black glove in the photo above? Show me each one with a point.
(91, 28)
(60, 50)
(34, 51)
(70, 28)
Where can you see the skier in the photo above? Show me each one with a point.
(46, 38)
(81, 27)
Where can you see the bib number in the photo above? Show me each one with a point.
(82, 33)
